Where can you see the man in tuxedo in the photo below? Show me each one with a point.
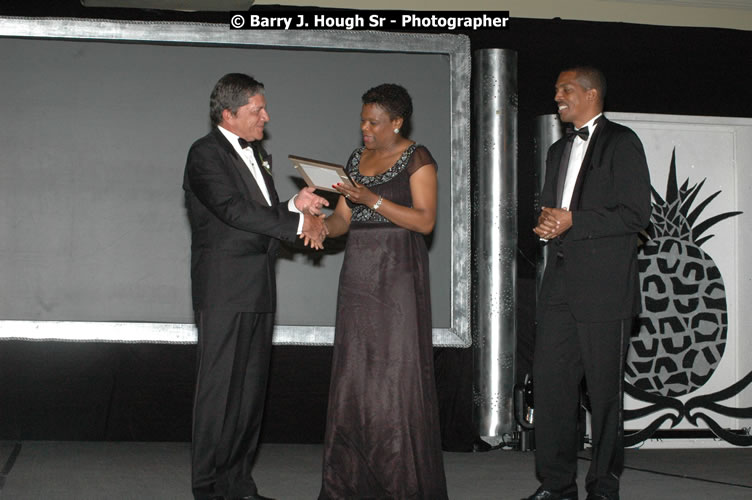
(237, 223)
(595, 202)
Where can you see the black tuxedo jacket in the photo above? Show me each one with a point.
(234, 232)
(610, 206)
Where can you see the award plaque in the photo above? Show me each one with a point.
(320, 174)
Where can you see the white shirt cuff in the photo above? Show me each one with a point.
(292, 208)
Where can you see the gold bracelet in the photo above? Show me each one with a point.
(378, 203)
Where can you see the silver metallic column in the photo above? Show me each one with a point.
(494, 169)
(548, 130)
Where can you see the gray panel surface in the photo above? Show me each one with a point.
(94, 140)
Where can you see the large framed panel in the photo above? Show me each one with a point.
(94, 242)
(713, 153)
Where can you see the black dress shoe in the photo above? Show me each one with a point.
(601, 496)
(544, 494)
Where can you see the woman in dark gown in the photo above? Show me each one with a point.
(382, 436)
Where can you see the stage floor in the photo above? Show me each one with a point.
(161, 471)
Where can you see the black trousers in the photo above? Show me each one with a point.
(234, 350)
(565, 351)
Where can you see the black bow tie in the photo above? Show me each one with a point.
(243, 143)
(583, 133)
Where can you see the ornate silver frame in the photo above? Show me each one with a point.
(456, 47)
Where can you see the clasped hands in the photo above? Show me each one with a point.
(314, 229)
(553, 222)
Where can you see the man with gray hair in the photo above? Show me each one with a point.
(237, 222)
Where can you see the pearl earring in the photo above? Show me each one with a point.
(396, 131)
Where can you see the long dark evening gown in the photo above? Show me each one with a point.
(382, 437)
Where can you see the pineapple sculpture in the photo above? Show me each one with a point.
(684, 321)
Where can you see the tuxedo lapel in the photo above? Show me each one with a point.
(595, 146)
(549, 197)
(262, 159)
(245, 173)
(561, 176)
(248, 180)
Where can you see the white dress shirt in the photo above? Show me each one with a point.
(579, 148)
(250, 161)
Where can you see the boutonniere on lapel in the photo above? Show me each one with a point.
(265, 163)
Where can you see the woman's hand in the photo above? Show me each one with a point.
(358, 194)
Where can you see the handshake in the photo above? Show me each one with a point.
(314, 228)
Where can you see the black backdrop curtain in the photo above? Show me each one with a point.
(142, 392)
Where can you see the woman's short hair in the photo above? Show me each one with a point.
(393, 98)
